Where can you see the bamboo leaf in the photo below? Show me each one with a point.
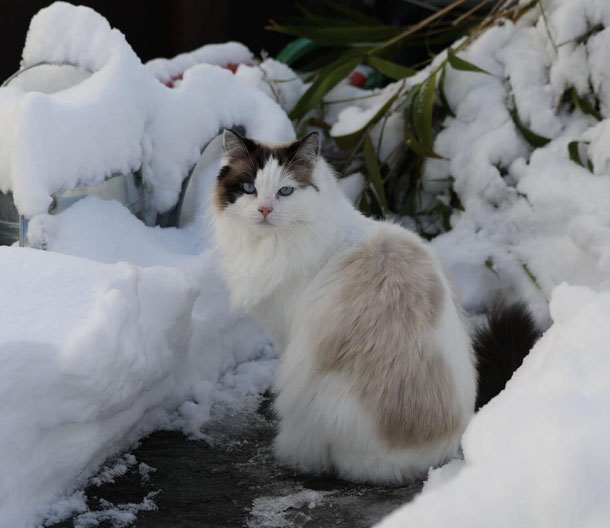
(389, 68)
(532, 138)
(463, 65)
(441, 93)
(350, 140)
(419, 148)
(341, 35)
(322, 85)
(374, 172)
(421, 111)
(574, 153)
(444, 210)
(584, 105)
(531, 276)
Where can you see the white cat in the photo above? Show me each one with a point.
(377, 378)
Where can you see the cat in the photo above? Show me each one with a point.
(377, 376)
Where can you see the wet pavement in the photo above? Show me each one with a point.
(232, 480)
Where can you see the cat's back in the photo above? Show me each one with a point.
(379, 326)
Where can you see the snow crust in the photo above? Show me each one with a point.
(120, 118)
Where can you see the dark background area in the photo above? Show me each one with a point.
(158, 29)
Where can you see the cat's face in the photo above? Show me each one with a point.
(267, 186)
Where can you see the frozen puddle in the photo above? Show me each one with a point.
(229, 480)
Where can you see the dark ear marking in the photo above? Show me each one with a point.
(301, 157)
(309, 147)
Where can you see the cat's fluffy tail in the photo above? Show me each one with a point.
(500, 347)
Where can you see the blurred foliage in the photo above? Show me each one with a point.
(333, 40)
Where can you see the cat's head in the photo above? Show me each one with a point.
(264, 185)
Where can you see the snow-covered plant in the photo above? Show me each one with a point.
(416, 99)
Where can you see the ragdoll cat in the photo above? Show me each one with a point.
(377, 377)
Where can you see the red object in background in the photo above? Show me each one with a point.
(357, 79)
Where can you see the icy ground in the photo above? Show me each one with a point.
(231, 479)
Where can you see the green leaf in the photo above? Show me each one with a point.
(461, 64)
(350, 140)
(364, 204)
(419, 148)
(532, 138)
(584, 105)
(444, 210)
(531, 276)
(441, 93)
(322, 85)
(374, 172)
(573, 151)
(421, 111)
(341, 35)
(389, 68)
(489, 264)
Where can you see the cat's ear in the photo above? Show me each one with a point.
(309, 147)
(234, 144)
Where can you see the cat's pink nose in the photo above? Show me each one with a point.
(265, 210)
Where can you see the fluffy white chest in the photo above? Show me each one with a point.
(278, 311)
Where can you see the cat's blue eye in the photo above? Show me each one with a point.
(248, 188)
(286, 191)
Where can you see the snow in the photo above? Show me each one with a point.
(120, 118)
(537, 454)
(113, 347)
(270, 512)
(219, 54)
(119, 329)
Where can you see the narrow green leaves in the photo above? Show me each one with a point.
(461, 64)
(389, 68)
(532, 138)
(323, 83)
(374, 172)
(574, 153)
(584, 105)
(441, 93)
(351, 140)
(419, 148)
(531, 276)
(421, 111)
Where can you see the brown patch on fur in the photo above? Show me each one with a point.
(389, 299)
(246, 157)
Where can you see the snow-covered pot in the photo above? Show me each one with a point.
(50, 78)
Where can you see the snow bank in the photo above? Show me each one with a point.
(536, 455)
(119, 119)
(103, 342)
(87, 350)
